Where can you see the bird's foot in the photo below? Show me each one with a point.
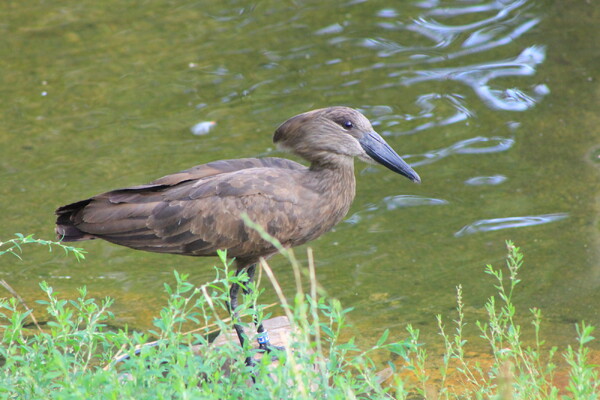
(250, 362)
(264, 345)
(268, 347)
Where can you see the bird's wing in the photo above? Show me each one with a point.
(225, 166)
(204, 171)
(184, 214)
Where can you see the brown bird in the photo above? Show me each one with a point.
(198, 211)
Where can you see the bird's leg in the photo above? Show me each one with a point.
(233, 304)
(263, 337)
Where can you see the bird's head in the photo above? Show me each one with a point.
(335, 135)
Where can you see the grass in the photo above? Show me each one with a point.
(75, 355)
(516, 370)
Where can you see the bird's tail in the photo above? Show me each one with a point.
(66, 231)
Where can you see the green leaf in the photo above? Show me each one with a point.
(383, 338)
(327, 330)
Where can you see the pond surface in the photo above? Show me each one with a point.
(494, 103)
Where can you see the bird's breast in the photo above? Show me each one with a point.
(326, 199)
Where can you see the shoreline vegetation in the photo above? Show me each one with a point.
(76, 355)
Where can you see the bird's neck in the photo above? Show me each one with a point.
(334, 179)
(331, 162)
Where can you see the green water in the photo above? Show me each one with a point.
(496, 108)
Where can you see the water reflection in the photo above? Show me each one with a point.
(510, 22)
(202, 128)
(331, 29)
(478, 77)
(450, 33)
(469, 146)
(486, 180)
(428, 104)
(502, 6)
(483, 35)
(495, 224)
(394, 202)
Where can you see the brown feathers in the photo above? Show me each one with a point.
(198, 211)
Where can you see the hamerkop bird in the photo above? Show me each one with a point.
(198, 211)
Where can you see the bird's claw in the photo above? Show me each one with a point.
(268, 347)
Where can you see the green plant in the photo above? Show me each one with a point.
(584, 382)
(517, 370)
(77, 356)
(13, 246)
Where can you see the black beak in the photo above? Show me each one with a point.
(380, 151)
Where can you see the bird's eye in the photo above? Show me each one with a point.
(347, 125)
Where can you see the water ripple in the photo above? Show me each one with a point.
(331, 29)
(469, 146)
(457, 11)
(428, 104)
(504, 10)
(478, 77)
(486, 37)
(394, 202)
(493, 24)
(486, 180)
(495, 224)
